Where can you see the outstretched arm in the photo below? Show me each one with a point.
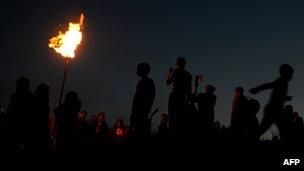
(262, 87)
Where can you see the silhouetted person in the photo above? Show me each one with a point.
(218, 133)
(244, 123)
(251, 120)
(82, 124)
(93, 124)
(120, 132)
(143, 101)
(82, 127)
(163, 130)
(179, 98)
(205, 104)
(285, 123)
(298, 127)
(193, 114)
(101, 125)
(39, 125)
(93, 121)
(66, 117)
(101, 129)
(19, 111)
(239, 109)
(274, 109)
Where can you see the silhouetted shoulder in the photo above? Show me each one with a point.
(190, 75)
(150, 81)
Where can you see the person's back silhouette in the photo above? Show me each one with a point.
(19, 111)
(274, 109)
(181, 81)
(163, 130)
(66, 117)
(239, 109)
(82, 128)
(244, 123)
(39, 126)
(205, 104)
(143, 101)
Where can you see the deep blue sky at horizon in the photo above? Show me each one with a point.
(232, 43)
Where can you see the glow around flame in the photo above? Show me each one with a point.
(66, 43)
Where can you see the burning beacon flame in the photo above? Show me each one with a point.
(66, 43)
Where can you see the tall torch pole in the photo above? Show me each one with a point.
(67, 60)
(66, 44)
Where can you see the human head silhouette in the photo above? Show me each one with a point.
(286, 71)
(101, 117)
(296, 115)
(239, 91)
(119, 123)
(93, 119)
(43, 89)
(72, 97)
(180, 62)
(163, 118)
(22, 84)
(210, 89)
(83, 115)
(288, 109)
(143, 69)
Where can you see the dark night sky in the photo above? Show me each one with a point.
(232, 43)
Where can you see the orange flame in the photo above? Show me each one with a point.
(66, 43)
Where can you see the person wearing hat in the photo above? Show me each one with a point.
(205, 103)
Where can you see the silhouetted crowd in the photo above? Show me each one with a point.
(26, 125)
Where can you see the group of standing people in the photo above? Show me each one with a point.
(188, 109)
(28, 114)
